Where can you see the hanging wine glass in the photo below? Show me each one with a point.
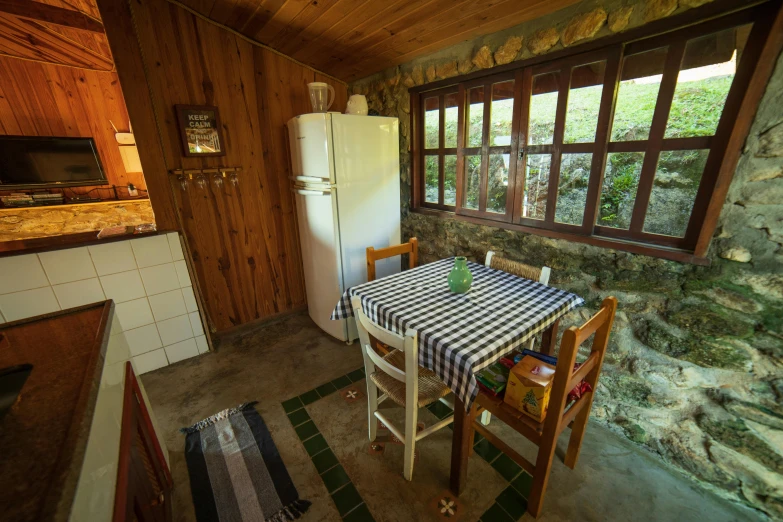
(201, 181)
(217, 179)
(183, 182)
(234, 179)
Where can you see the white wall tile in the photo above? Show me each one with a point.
(167, 305)
(150, 361)
(174, 330)
(79, 293)
(142, 340)
(190, 299)
(182, 273)
(201, 344)
(125, 286)
(159, 278)
(28, 303)
(21, 273)
(175, 245)
(64, 266)
(133, 314)
(150, 251)
(180, 351)
(112, 258)
(195, 323)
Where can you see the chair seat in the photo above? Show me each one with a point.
(431, 388)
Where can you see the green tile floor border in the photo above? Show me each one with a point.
(509, 505)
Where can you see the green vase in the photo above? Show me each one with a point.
(460, 277)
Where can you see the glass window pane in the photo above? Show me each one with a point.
(536, 185)
(584, 102)
(572, 188)
(703, 84)
(450, 179)
(475, 117)
(640, 81)
(472, 181)
(450, 102)
(543, 106)
(431, 166)
(676, 181)
(431, 123)
(501, 113)
(621, 179)
(497, 184)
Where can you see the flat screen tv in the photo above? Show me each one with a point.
(42, 162)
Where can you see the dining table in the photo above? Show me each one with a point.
(459, 334)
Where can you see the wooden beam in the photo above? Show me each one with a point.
(51, 14)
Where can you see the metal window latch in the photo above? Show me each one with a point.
(521, 153)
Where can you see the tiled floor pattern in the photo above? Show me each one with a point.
(509, 505)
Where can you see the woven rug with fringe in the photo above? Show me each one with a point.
(236, 473)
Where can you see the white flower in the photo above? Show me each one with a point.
(351, 394)
(447, 506)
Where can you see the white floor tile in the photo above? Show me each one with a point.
(159, 278)
(190, 299)
(112, 258)
(182, 273)
(175, 245)
(28, 303)
(174, 330)
(142, 340)
(180, 351)
(150, 251)
(195, 323)
(64, 266)
(21, 273)
(167, 305)
(125, 286)
(201, 344)
(150, 361)
(79, 293)
(133, 314)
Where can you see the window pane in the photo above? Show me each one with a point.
(621, 179)
(431, 165)
(475, 117)
(500, 113)
(450, 102)
(703, 84)
(543, 106)
(472, 181)
(572, 188)
(584, 102)
(497, 184)
(431, 123)
(536, 185)
(640, 81)
(674, 189)
(450, 181)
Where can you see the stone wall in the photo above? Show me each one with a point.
(26, 223)
(693, 371)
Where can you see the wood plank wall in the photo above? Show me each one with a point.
(38, 99)
(243, 240)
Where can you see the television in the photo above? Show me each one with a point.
(28, 162)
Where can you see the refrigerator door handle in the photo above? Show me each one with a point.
(305, 192)
(309, 179)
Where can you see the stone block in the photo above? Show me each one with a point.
(483, 58)
(543, 40)
(655, 9)
(618, 20)
(430, 73)
(446, 69)
(584, 26)
(417, 75)
(507, 52)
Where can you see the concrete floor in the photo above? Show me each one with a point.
(614, 479)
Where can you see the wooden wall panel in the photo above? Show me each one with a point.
(243, 240)
(38, 99)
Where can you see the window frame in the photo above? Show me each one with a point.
(721, 161)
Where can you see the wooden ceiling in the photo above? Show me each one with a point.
(351, 39)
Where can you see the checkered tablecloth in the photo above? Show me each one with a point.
(459, 334)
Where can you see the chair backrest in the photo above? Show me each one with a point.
(519, 269)
(407, 343)
(411, 247)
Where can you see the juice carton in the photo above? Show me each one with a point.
(529, 386)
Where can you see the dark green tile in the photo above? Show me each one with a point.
(325, 389)
(360, 514)
(309, 397)
(299, 416)
(512, 502)
(324, 460)
(440, 410)
(495, 513)
(341, 382)
(334, 478)
(315, 445)
(477, 437)
(506, 467)
(486, 450)
(292, 405)
(523, 483)
(356, 375)
(346, 499)
(307, 430)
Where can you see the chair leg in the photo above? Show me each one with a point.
(372, 407)
(411, 421)
(577, 434)
(546, 453)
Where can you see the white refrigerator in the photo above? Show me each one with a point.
(346, 177)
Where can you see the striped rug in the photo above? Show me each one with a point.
(236, 473)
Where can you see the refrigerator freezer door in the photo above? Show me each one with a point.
(310, 140)
(367, 171)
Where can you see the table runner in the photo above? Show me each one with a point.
(459, 334)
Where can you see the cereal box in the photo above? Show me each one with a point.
(529, 386)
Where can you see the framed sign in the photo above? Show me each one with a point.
(199, 126)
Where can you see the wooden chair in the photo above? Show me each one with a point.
(400, 379)
(545, 434)
(411, 247)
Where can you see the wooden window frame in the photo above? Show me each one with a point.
(753, 71)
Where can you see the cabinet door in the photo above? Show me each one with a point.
(143, 481)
